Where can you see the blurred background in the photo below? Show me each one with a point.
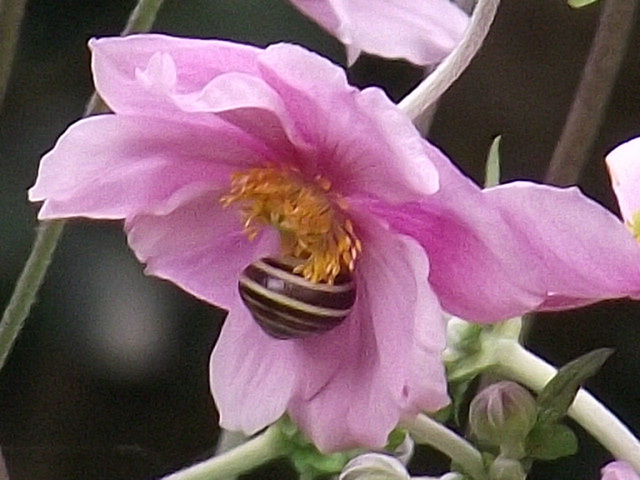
(109, 378)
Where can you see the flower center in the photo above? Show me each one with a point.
(309, 217)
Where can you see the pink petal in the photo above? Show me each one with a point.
(114, 166)
(252, 375)
(334, 118)
(624, 168)
(583, 253)
(619, 471)
(479, 268)
(296, 103)
(138, 73)
(196, 243)
(422, 32)
(138, 76)
(396, 322)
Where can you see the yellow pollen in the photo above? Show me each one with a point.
(310, 220)
(634, 225)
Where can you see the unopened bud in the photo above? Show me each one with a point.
(502, 414)
(374, 466)
(506, 469)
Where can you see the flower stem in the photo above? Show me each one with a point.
(432, 87)
(24, 295)
(254, 452)
(591, 100)
(48, 233)
(427, 431)
(517, 363)
(11, 13)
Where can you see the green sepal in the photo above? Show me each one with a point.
(549, 441)
(580, 3)
(458, 393)
(557, 396)
(308, 461)
(492, 167)
(395, 439)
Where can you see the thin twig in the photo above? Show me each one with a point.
(11, 14)
(432, 87)
(594, 91)
(48, 233)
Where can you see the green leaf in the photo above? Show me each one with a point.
(550, 441)
(557, 396)
(492, 167)
(581, 3)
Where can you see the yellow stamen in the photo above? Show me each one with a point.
(634, 225)
(310, 219)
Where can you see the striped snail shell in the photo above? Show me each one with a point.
(286, 305)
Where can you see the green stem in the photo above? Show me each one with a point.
(48, 233)
(229, 440)
(47, 236)
(432, 87)
(517, 363)
(142, 17)
(11, 13)
(254, 452)
(590, 103)
(427, 431)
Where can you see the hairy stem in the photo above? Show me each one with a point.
(427, 431)
(590, 103)
(232, 463)
(48, 233)
(432, 87)
(24, 295)
(517, 363)
(11, 13)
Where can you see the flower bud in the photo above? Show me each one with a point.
(504, 468)
(374, 466)
(502, 414)
(619, 471)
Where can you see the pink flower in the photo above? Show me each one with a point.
(624, 169)
(219, 154)
(619, 471)
(423, 32)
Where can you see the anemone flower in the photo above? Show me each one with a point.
(422, 32)
(218, 155)
(619, 471)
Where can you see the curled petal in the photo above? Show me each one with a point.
(624, 167)
(422, 32)
(156, 66)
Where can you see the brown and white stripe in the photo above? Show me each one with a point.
(287, 305)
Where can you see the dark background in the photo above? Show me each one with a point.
(109, 377)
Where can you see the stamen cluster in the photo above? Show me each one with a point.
(312, 225)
